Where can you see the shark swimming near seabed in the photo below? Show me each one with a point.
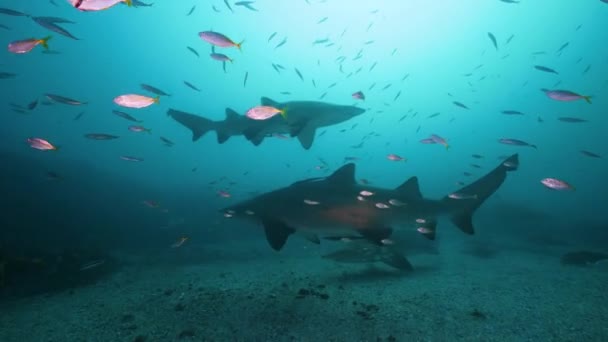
(302, 120)
(337, 208)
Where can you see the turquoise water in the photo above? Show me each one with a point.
(436, 44)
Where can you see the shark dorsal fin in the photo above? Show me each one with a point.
(410, 188)
(266, 101)
(344, 175)
(231, 115)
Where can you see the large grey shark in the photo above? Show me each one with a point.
(336, 207)
(302, 120)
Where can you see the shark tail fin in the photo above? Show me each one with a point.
(231, 117)
(197, 124)
(472, 196)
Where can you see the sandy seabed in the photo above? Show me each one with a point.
(512, 296)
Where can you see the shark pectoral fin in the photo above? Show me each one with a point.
(410, 188)
(396, 260)
(277, 233)
(464, 221)
(311, 237)
(376, 234)
(266, 101)
(198, 125)
(296, 128)
(307, 136)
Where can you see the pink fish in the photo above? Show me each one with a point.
(462, 196)
(41, 144)
(179, 242)
(358, 95)
(224, 194)
(26, 45)
(428, 141)
(131, 159)
(151, 204)
(135, 101)
(565, 95)
(424, 230)
(439, 140)
(97, 5)
(218, 39)
(556, 184)
(395, 157)
(265, 112)
(139, 129)
(281, 136)
(220, 57)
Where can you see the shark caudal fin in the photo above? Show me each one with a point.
(197, 124)
(462, 204)
(232, 118)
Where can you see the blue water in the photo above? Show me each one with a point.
(98, 202)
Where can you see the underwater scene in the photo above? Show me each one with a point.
(303, 170)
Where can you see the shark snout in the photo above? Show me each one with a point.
(354, 111)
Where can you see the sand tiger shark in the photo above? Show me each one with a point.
(336, 207)
(302, 120)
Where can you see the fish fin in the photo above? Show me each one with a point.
(231, 117)
(396, 260)
(238, 46)
(257, 140)
(254, 134)
(483, 188)
(277, 232)
(266, 101)
(283, 113)
(410, 189)
(44, 42)
(197, 124)
(588, 99)
(345, 175)
(376, 234)
(307, 136)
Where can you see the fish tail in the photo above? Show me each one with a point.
(44, 42)
(148, 130)
(283, 113)
(157, 99)
(129, 2)
(238, 46)
(588, 99)
(447, 147)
